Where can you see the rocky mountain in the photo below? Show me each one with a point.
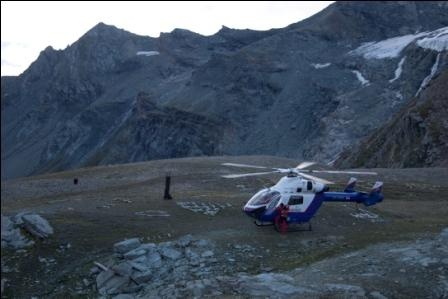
(416, 137)
(305, 91)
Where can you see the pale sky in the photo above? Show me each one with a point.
(29, 27)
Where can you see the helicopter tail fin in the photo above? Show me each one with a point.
(375, 195)
(350, 185)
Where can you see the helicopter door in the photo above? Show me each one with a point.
(295, 203)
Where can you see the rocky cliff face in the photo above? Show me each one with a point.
(416, 137)
(304, 91)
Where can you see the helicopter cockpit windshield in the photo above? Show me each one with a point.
(263, 197)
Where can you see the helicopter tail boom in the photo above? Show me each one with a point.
(375, 196)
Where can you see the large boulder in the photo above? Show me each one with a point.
(37, 226)
(33, 223)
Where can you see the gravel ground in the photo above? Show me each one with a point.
(114, 203)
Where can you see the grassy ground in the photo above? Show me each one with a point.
(101, 210)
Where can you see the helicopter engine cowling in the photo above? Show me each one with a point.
(315, 187)
(319, 187)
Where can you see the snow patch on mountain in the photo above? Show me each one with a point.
(147, 53)
(361, 78)
(436, 40)
(320, 65)
(429, 77)
(389, 48)
(399, 70)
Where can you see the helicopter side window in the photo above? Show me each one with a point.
(295, 200)
(299, 189)
(309, 185)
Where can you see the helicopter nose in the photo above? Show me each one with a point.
(254, 212)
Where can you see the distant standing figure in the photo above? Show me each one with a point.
(75, 181)
(167, 194)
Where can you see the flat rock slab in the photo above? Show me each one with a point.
(126, 245)
(142, 277)
(134, 253)
(123, 296)
(170, 253)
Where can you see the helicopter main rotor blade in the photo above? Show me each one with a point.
(240, 175)
(244, 165)
(305, 165)
(311, 177)
(343, 171)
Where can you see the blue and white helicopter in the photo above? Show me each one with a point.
(303, 193)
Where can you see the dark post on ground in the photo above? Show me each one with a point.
(167, 188)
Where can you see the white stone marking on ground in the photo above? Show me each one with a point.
(152, 213)
(122, 200)
(210, 209)
(364, 214)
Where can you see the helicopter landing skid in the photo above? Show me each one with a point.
(260, 223)
(299, 227)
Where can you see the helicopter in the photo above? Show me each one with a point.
(302, 193)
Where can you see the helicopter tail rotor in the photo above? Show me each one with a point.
(375, 195)
(351, 185)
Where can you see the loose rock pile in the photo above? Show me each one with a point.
(170, 269)
(31, 223)
(189, 267)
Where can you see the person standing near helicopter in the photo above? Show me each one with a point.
(284, 219)
(281, 219)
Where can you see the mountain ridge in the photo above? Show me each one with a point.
(283, 92)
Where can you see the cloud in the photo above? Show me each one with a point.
(16, 57)
(10, 68)
(6, 63)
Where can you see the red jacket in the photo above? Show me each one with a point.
(284, 212)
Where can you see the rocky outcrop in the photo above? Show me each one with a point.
(188, 267)
(380, 271)
(416, 137)
(149, 269)
(304, 91)
(31, 223)
(150, 131)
